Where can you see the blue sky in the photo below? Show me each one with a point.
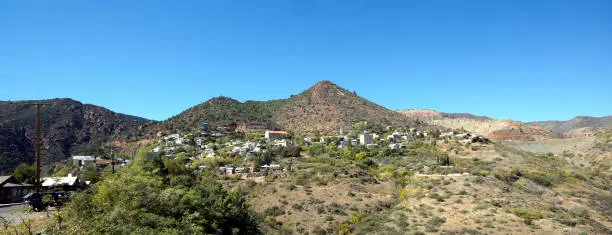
(525, 60)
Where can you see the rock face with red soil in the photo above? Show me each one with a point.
(520, 132)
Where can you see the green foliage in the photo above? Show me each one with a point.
(149, 199)
(25, 173)
(355, 218)
(527, 214)
(90, 173)
(507, 176)
(274, 211)
(342, 229)
(434, 223)
(64, 171)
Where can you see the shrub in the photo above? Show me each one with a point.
(289, 187)
(438, 197)
(355, 218)
(297, 206)
(539, 178)
(274, 211)
(434, 223)
(342, 229)
(329, 218)
(527, 214)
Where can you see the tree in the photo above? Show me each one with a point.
(25, 173)
(90, 173)
(146, 200)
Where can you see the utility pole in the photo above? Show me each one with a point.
(113, 161)
(37, 147)
(38, 184)
(112, 153)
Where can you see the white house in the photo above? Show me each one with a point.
(82, 160)
(284, 143)
(365, 138)
(59, 181)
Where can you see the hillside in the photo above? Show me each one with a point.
(575, 123)
(428, 114)
(323, 108)
(67, 127)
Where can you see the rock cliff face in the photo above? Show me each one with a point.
(67, 127)
(323, 108)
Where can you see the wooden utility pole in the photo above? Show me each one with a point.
(112, 153)
(37, 147)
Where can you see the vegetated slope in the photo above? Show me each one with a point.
(67, 127)
(324, 108)
(575, 123)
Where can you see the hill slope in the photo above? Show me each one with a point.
(428, 114)
(493, 129)
(67, 127)
(323, 108)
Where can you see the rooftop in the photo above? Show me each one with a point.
(277, 132)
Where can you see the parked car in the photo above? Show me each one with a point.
(37, 200)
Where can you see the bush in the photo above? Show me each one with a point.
(438, 197)
(539, 178)
(274, 211)
(355, 218)
(434, 223)
(135, 200)
(527, 214)
(297, 206)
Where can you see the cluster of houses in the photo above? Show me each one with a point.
(80, 161)
(229, 170)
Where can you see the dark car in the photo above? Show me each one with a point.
(37, 200)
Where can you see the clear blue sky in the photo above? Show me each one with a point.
(525, 60)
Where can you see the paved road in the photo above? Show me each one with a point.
(14, 214)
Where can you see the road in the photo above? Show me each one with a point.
(14, 214)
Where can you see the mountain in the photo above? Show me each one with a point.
(575, 123)
(323, 108)
(67, 127)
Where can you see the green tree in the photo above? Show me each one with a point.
(25, 173)
(146, 200)
(90, 173)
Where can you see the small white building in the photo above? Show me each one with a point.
(283, 142)
(365, 138)
(82, 160)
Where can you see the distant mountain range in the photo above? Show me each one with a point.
(70, 127)
(509, 129)
(67, 127)
(575, 123)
